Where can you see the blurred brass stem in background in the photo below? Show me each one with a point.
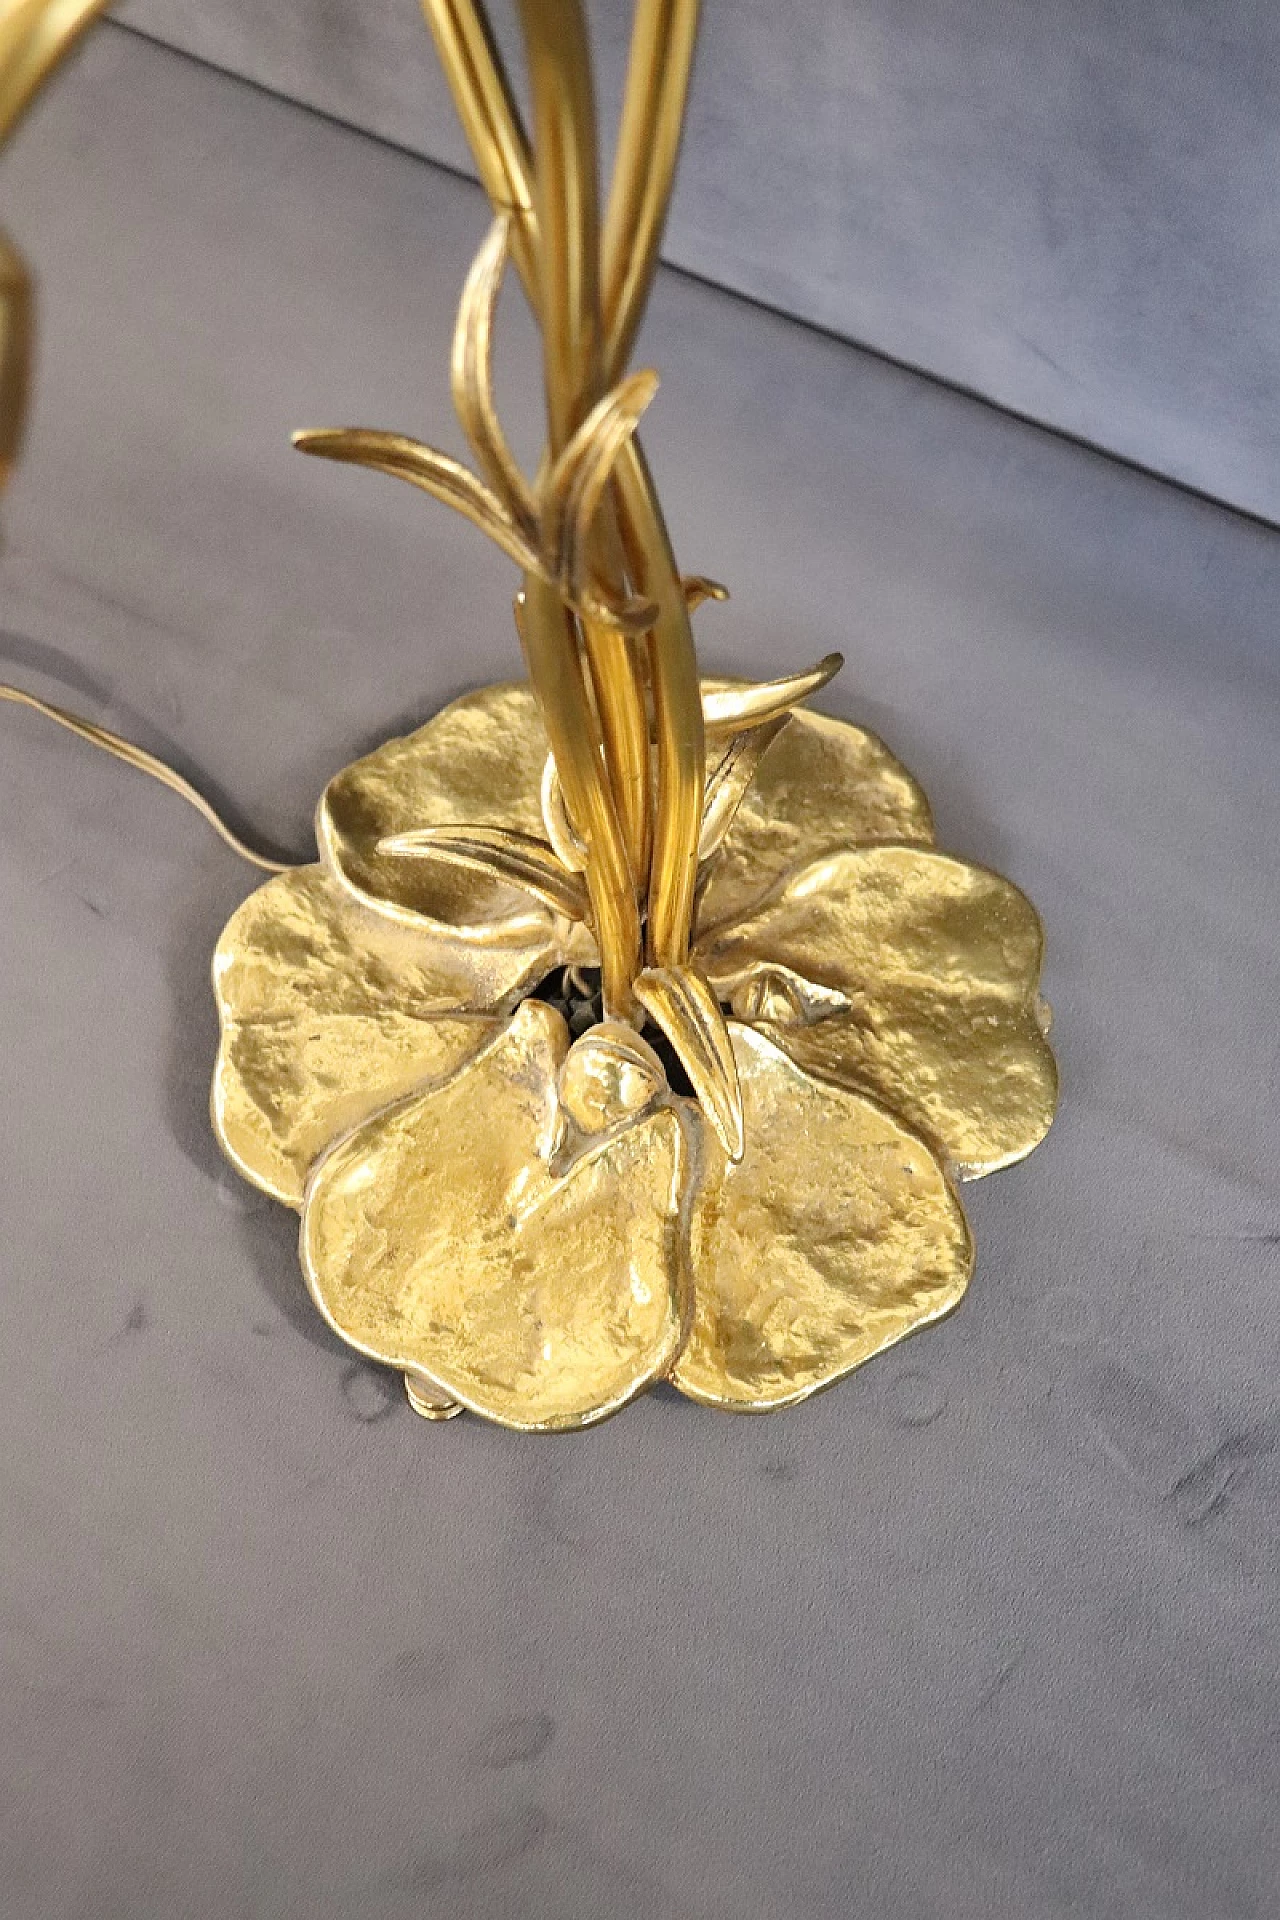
(34, 35)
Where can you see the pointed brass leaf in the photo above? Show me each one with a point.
(679, 1001)
(517, 859)
(730, 710)
(697, 588)
(472, 378)
(436, 473)
(727, 785)
(573, 493)
(570, 847)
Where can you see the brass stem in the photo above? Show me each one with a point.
(34, 36)
(658, 70)
(624, 721)
(491, 122)
(568, 307)
(567, 210)
(555, 668)
(677, 711)
(661, 61)
(565, 199)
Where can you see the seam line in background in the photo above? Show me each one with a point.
(1129, 461)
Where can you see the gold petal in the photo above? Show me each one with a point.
(330, 1012)
(477, 762)
(821, 786)
(836, 1235)
(939, 962)
(447, 1237)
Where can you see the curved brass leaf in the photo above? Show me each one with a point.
(436, 473)
(575, 487)
(569, 844)
(472, 379)
(517, 859)
(939, 962)
(678, 1000)
(727, 786)
(731, 709)
(835, 1236)
(697, 589)
(438, 1238)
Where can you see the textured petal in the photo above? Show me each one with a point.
(835, 1236)
(477, 763)
(822, 785)
(329, 1012)
(459, 1235)
(939, 962)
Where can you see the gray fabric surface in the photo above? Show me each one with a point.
(987, 1633)
(1070, 209)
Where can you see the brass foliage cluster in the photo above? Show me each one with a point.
(603, 613)
(526, 1223)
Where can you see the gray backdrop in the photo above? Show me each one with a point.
(1072, 208)
(988, 1633)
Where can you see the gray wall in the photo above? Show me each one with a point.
(1071, 208)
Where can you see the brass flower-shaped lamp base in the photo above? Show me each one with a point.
(629, 1027)
(538, 1226)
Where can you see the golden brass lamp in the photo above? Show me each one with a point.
(630, 1026)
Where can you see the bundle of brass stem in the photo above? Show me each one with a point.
(637, 804)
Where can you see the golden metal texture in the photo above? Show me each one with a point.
(656, 85)
(479, 760)
(821, 786)
(329, 1011)
(889, 1029)
(535, 1274)
(938, 965)
(534, 1227)
(835, 1236)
